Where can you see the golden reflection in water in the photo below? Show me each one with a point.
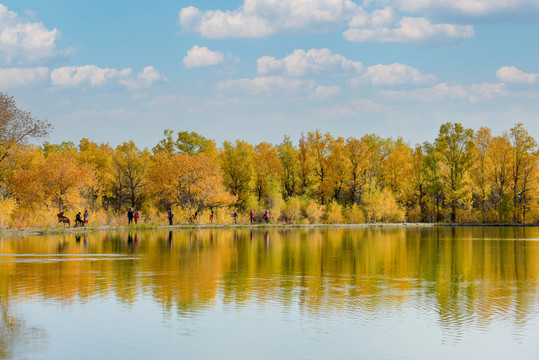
(464, 275)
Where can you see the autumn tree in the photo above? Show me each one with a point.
(237, 166)
(318, 147)
(396, 168)
(288, 155)
(377, 150)
(338, 169)
(127, 180)
(188, 143)
(100, 157)
(358, 156)
(500, 156)
(416, 188)
(524, 163)
(434, 187)
(483, 140)
(193, 182)
(58, 180)
(304, 165)
(455, 146)
(17, 126)
(267, 169)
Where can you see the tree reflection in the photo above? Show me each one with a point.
(463, 275)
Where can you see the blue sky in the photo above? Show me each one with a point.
(256, 70)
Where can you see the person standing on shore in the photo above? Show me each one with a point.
(170, 215)
(211, 217)
(266, 216)
(235, 216)
(86, 217)
(136, 216)
(130, 217)
(252, 216)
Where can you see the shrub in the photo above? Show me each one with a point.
(334, 212)
(292, 210)
(354, 215)
(314, 212)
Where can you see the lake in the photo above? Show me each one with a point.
(307, 293)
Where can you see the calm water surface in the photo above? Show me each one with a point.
(367, 293)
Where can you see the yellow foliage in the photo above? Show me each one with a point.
(334, 212)
(381, 206)
(354, 215)
(314, 212)
(292, 210)
(7, 207)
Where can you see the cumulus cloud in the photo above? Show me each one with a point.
(471, 93)
(393, 74)
(26, 42)
(411, 29)
(266, 85)
(324, 92)
(22, 77)
(202, 57)
(76, 76)
(514, 75)
(302, 62)
(260, 18)
(147, 78)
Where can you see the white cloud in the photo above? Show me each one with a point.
(22, 77)
(260, 18)
(325, 92)
(471, 93)
(26, 42)
(266, 85)
(76, 76)
(302, 62)
(410, 29)
(469, 8)
(147, 78)
(514, 75)
(394, 74)
(377, 18)
(202, 57)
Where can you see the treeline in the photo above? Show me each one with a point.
(462, 176)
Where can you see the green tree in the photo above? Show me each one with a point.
(455, 146)
(238, 171)
(524, 162)
(288, 155)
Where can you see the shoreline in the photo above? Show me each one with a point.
(14, 232)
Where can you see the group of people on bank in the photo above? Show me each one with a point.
(133, 217)
(251, 216)
(80, 221)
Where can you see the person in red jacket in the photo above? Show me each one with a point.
(252, 216)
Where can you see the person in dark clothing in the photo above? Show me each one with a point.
(78, 220)
(130, 216)
(170, 216)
